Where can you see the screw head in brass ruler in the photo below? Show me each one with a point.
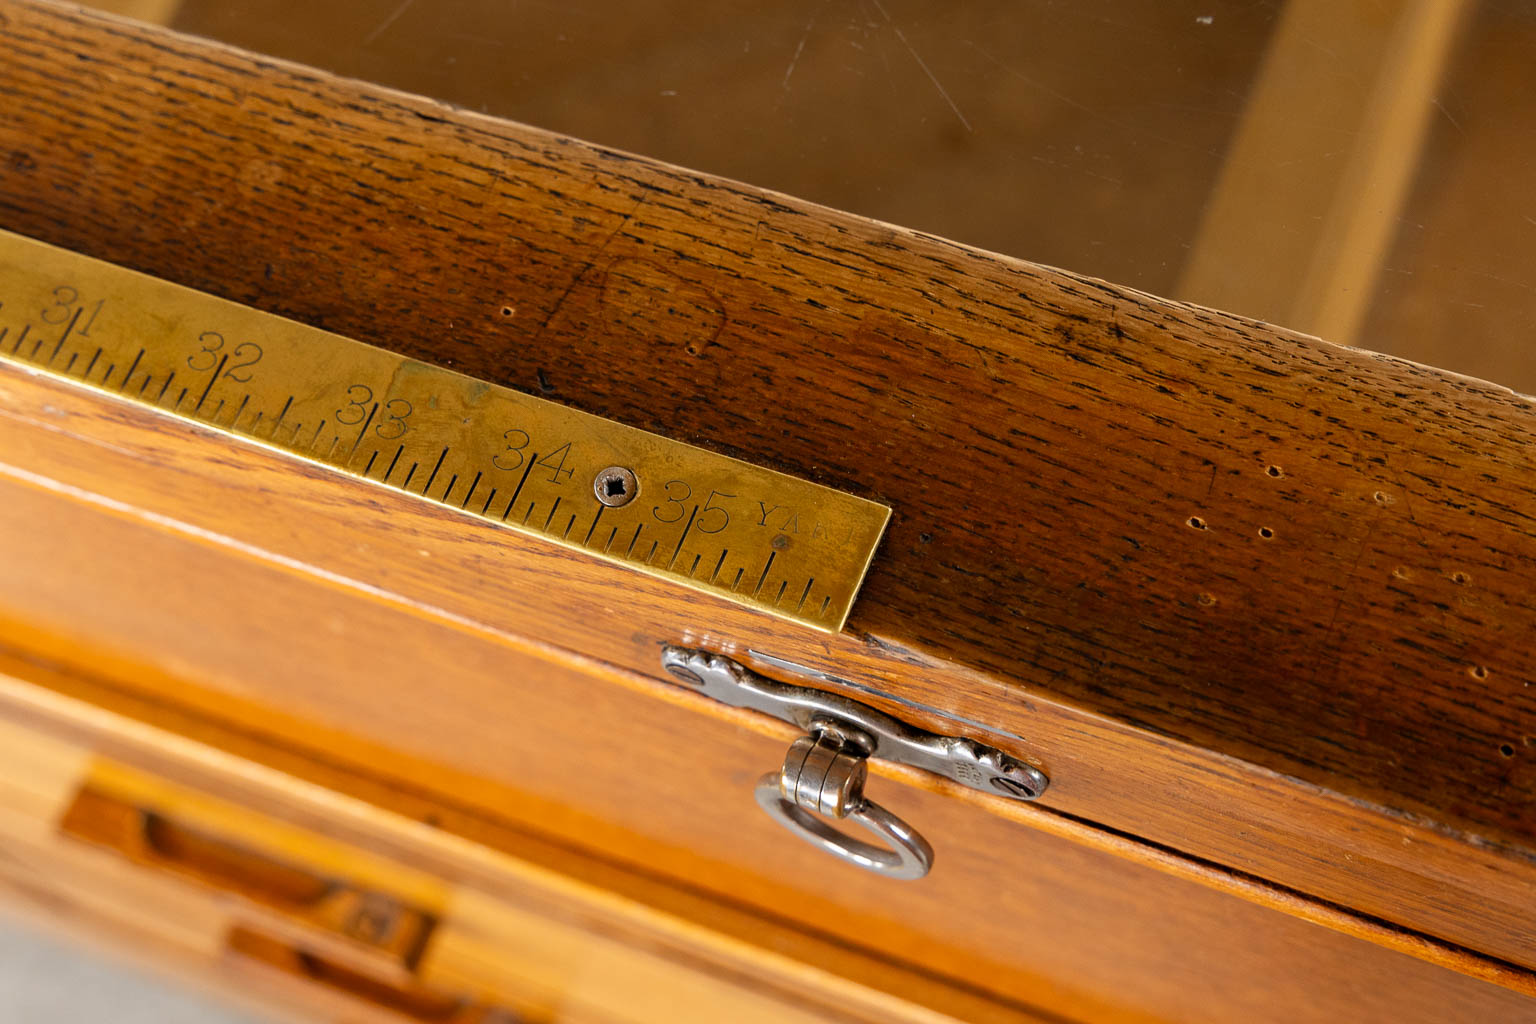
(748, 534)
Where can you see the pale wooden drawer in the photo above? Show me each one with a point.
(310, 924)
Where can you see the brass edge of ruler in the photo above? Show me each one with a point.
(761, 538)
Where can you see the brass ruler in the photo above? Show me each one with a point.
(751, 535)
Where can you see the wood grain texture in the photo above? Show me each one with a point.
(1087, 935)
(553, 959)
(1136, 532)
(74, 582)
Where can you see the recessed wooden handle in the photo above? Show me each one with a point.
(146, 837)
(409, 1001)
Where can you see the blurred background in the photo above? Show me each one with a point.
(1357, 169)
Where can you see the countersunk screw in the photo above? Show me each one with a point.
(1019, 789)
(615, 486)
(684, 674)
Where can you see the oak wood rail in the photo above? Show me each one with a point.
(1180, 551)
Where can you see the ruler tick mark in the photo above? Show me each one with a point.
(364, 432)
(212, 380)
(529, 512)
(595, 520)
(684, 537)
(433, 475)
(719, 564)
(21, 337)
(611, 534)
(486, 509)
(568, 527)
(369, 468)
(408, 475)
(92, 365)
(392, 462)
(551, 517)
(72, 357)
(240, 411)
(783, 585)
(471, 492)
(179, 399)
(695, 566)
(449, 489)
(521, 480)
(805, 593)
(279, 421)
(129, 375)
(764, 577)
(630, 550)
(64, 337)
(736, 583)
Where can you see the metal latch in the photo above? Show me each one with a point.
(825, 771)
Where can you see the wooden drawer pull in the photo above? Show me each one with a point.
(146, 837)
(409, 1001)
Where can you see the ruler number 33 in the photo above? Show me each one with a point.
(392, 415)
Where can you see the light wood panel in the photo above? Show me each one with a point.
(523, 737)
(481, 956)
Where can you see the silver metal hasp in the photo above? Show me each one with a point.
(824, 772)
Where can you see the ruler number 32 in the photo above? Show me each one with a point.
(246, 354)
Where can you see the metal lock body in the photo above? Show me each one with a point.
(825, 771)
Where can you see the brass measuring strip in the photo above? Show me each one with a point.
(751, 535)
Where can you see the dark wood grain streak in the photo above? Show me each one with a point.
(1080, 472)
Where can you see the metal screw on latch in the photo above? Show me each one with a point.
(615, 486)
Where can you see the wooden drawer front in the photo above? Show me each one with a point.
(330, 928)
(644, 777)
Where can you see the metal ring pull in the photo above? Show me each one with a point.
(824, 774)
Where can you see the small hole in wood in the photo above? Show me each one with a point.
(1266, 532)
(1507, 749)
(1207, 599)
(1460, 577)
(507, 311)
(1275, 471)
(1197, 522)
(1478, 672)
